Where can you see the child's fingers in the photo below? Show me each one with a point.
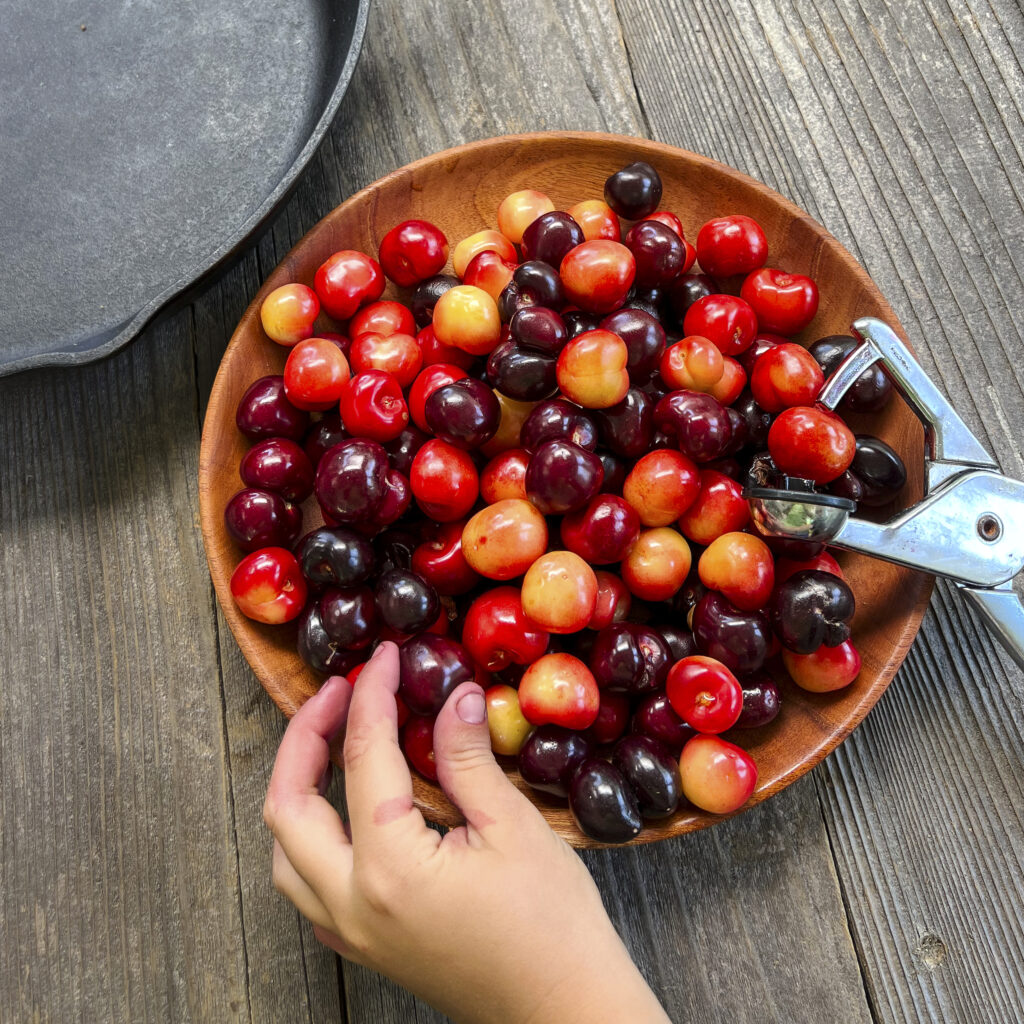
(378, 786)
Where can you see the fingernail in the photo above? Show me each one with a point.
(471, 708)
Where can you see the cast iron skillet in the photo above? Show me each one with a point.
(141, 146)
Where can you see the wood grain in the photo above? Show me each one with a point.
(899, 126)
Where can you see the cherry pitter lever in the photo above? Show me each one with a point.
(968, 527)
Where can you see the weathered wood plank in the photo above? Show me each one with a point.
(899, 127)
(120, 881)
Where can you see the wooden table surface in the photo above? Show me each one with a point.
(135, 745)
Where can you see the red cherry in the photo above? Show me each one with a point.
(731, 245)
(784, 303)
(386, 317)
(372, 405)
(826, 669)
(811, 442)
(444, 481)
(315, 374)
(726, 320)
(497, 632)
(346, 281)
(413, 251)
(268, 586)
(418, 745)
(704, 693)
(429, 379)
(397, 354)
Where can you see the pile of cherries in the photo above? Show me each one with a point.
(531, 474)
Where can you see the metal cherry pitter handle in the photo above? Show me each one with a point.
(968, 527)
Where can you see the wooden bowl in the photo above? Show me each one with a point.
(459, 190)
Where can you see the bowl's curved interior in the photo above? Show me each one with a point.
(459, 190)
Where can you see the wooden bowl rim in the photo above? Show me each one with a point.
(220, 403)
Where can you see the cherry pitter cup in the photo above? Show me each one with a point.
(968, 527)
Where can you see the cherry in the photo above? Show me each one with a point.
(550, 756)
(761, 703)
(627, 428)
(323, 436)
(630, 658)
(334, 556)
(503, 540)
(656, 564)
(811, 442)
(513, 415)
(786, 567)
(718, 508)
(597, 275)
(558, 420)
(348, 617)
(431, 667)
(596, 220)
(692, 364)
(347, 280)
(550, 237)
(466, 317)
(315, 374)
(717, 776)
(288, 312)
(826, 669)
(279, 465)
(318, 650)
(602, 803)
(870, 392)
(506, 722)
(652, 773)
(267, 586)
(465, 413)
(399, 354)
(497, 631)
(812, 608)
(417, 741)
(613, 600)
(383, 317)
(490, 272)
(519, 210)
(521, 373)
(562, 477)
(264, 411)
(705, 694)
(261, 519)
(444, 481)
(558, 689)
(644, 337)
(784, 303)
(612, 718)
(731, 245)
(560, 592)
(741, 640)
(879, 471)
(740, 567)
(425, 297)
(602, 531)
(699, 423)
(505, 476)
(654, 716)
(729, 322)
(426, 383)
(685, 290)
(658, 252)
(373, 406)
(351, 481)
(662, 486)
(412, 252)
(402, 450)
(635, 191)
(440, 561)
(539, 329)
(481, 241)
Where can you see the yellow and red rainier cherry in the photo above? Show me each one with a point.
(693, 363)
(560, 592)
(597, 275)
(559, 689)
(268, 586)
(506, 722)
(597, 220)
(826, 669)
(518, 210)
(503, 540)
(466, 317)
(662, 486)
(478, 242)
(657, 564)
(717, 776)
(591, 369)
(740, 567)
(288, 312)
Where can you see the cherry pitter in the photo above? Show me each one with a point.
(968, 527)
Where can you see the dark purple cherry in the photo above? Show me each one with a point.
(847, 485)
(521, 373)
(879, 469)
(334, 556)
(870, 392)
(578, 320)
(264, 411)
(615, 472)
(603, 805)
(658, 252)
(645, 341)
(261, 519)
(627, 427)
(760, 345)
(425, 297)
(679, 639)
(812, 608)
(393, 548)
(562, 477)
(629, 658)
(431, 667)
(550, 756)
(348, 616)
(757, 420)
(652, 773)
(397, 498)
(351, 480)
(698, 422)
(466, 414)
(323, 436)
(760, 701)
(540, 282)
(654, 716)
(685, 290)
(558, 420)
(739, 639)
(633, 192)
(318, 650)
(403, 449)
(550, 237)
(406, 602)
(279, 465)
(540, 329)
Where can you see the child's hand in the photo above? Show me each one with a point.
(498, 921)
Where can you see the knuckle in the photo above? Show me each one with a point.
(358, 743)
(380, 889)
(470, 758)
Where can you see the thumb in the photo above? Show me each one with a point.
(466, 768)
